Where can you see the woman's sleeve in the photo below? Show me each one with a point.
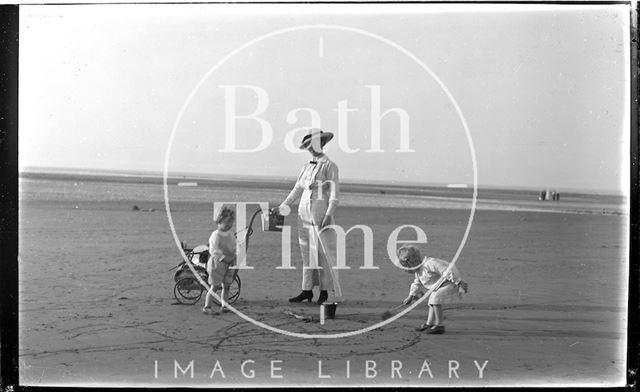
(295, 192)
(334, 186)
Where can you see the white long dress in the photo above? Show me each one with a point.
(318, 188)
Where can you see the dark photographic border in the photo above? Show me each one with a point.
(9, 20)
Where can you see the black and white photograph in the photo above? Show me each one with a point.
(324, 194)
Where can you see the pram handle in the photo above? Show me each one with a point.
(250, 227)
(246, 238)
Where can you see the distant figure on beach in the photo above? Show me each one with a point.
(547, 194)
(543, 195)
(317, 187)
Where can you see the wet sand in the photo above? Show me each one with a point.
(547, 300)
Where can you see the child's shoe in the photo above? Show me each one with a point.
(225, 310)
(207, 310)
(436, 330)
(424, 327)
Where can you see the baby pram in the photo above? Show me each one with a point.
(188, 290)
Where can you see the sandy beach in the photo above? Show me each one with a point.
(547, 299)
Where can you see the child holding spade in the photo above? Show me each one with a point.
(428, 272)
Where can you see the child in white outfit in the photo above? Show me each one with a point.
(428, 272)
(222, 250)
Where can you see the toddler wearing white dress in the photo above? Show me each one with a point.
(222, 250)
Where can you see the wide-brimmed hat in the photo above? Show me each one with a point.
(313, 135)
(409, 256)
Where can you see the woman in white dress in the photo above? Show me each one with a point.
(317, 187)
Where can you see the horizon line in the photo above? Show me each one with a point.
(123, 173)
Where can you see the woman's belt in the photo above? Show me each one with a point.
(315, 185)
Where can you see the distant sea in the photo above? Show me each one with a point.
(143, 187)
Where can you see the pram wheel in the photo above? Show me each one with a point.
(187, 290)
(234, 291)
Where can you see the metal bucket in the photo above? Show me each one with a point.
(330, 310)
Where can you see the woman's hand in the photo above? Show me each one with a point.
(283, 209)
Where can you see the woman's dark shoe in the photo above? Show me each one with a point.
(323, 297)
(304, 295)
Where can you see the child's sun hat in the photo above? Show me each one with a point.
(409, 256)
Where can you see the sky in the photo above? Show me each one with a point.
(538, 95)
